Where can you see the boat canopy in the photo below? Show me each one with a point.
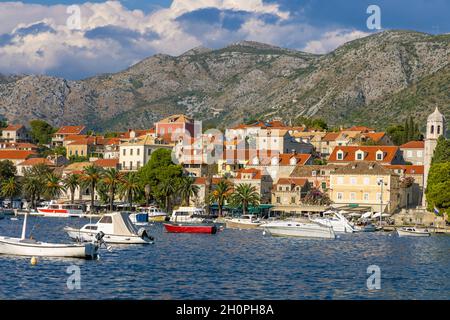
(122, 224)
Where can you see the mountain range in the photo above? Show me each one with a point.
(378, 80)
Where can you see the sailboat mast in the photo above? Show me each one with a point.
(24, 227)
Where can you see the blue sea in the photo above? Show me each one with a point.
(232, 264)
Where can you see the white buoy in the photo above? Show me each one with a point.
(33, 261)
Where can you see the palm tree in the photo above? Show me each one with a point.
(111, 179)
(10, 188)
(71, 183)
(91, 177)
(221, 193)
(187, 189)
(32, 186)
(167, 189)
(245, 195)
(53, 186)
(130, 187)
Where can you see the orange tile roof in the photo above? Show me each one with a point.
(107, 163)
(413, 145)
(408, 169)
(15, 154)
(34, 161)
(375, 136)
(70, 130)
(389, 153)
(13, 127)
(256, 174)
(292, 181)
(202, 180)
(285, 158)
(330, 136)
(247, 154)
(360, 128)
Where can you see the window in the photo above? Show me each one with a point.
(124, 164)
(292, 199)
(340, 155)
(278, 200)
(419, 153)
(352, 196)
(409, 153)
(379, 155)
(324, 185)
(82, 152)
(366, 196)
(432, 130)
(105, 219)
(149, 152)
(366, 181)
(352, 180)
(340, 180)
(438, 129)
(138, 164)
(131, 165)
(340, 196)
(124, 152)
(359, 155)
(131, 152)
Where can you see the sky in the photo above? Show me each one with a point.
(78, 39)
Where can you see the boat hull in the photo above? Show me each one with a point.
(158, 218)
(406, 233)
(60, 213)
(85, 236)
(300, 231)
(186, 228)
(17, 247)
(241, 225)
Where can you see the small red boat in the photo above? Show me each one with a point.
(190, 228)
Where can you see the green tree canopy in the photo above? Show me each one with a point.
(41, 131)
(442, 151)
(438, 187)
(7, 170)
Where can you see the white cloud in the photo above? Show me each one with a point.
(332, 39)
(113, 37)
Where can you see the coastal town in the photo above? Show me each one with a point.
(263, 168)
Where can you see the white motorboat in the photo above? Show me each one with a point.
(139, 218)
(188, 215)
(116, 227)
(412, 232)
(155, 214)
(336, 220)
(31, 247)
(246, 221)
(299, 229)
(62, 210)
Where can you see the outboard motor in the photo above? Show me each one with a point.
(99, 240)
(142, 232)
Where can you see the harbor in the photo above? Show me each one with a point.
(232, 264)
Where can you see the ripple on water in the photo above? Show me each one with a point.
(234, 264)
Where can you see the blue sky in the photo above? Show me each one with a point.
(112, 35)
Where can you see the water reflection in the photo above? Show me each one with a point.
(234, 265)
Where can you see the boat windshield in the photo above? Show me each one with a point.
(105, 219)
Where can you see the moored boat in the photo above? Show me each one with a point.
(31, 247)
(336, 220)
(116, 227)
(208, 228)
(246, 221)
(155, 214)
(412, 232)
(188, 215)
(62, 210)
(299, 229)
